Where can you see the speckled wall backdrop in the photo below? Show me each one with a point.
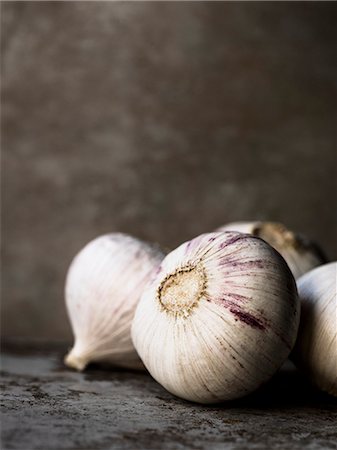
(163, 120)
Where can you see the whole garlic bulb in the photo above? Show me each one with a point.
(103, 286)
(300, 254)
(316, 346)
(219, 319)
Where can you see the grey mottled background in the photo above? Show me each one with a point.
(163, 120)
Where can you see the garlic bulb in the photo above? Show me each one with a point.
(316, 346)
(300, 254)
(219, 319)
(103, 286)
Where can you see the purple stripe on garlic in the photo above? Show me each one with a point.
(219, 319)
(300, 254)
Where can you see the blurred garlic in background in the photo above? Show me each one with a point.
(300, 254)
(219, 319)
(103, 286)
(316, 347)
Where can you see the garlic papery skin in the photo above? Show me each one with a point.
(316, 346)
(300, 254)
(219, 319)
(103, 286)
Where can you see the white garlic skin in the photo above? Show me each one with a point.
(316, 346)
(103, 286)
(300, 254)
(219, 319)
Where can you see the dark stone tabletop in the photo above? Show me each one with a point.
(45, 406)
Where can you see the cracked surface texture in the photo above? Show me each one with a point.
(45, 406)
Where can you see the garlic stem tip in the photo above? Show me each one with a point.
(75, 361)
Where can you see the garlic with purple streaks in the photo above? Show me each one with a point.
(316, 346)
(300, 254)
(219, 319)
(103, 286)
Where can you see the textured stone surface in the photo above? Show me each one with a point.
(45, 406)
(159, 119)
